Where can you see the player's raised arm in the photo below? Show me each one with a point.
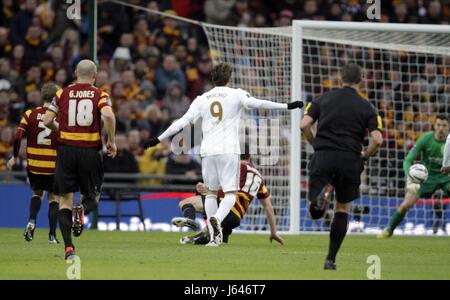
(189, 117)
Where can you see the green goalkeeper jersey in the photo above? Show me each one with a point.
(430, 152)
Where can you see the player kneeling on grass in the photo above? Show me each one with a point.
(251, 185)
(41, 157)
(429, 147)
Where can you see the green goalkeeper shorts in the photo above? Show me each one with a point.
(434, 183)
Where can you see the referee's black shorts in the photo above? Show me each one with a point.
(340, 169)
(78, 169)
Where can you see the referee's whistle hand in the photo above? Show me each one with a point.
(295, 104)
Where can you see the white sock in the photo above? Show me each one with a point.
(225, 206)
(210, 210)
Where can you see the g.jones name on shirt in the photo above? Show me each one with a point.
(81, 94)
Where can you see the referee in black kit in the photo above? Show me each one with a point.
(344, 118)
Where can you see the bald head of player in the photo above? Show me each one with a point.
(86, 71)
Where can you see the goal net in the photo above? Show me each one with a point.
(407, 78)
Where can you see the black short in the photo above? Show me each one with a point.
(78, 169)
(340, 169)
(40, 182)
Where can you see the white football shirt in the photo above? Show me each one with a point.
(220, 110)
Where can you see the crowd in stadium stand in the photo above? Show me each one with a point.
(153, 67)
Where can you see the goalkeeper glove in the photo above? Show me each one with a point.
(295, 104)
(151, 143)
(412, 186)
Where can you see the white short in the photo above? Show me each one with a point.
(221, 171)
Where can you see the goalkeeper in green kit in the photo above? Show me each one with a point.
(430, 149)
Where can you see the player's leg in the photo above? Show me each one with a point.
(189, 206)
(319, 184)
(66, 183)
(439, 207)
(228, 224)
(409, 201)
(65, 223)
(211, 208)
(438, 220)
(90, 174)
(48, 182)
(228, 170)
(211, 181)
(200, 238)
(338, 230)
(413, 193)
(346, 181)
(53, 208)
(35, 206)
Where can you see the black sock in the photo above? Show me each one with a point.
(337, 234)
(65, 224)
(53, 208)
(35, 206)
(188, 211)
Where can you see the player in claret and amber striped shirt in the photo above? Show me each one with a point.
(251, 185)
(41, 158)
(79, 109)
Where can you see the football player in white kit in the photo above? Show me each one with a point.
(220, 110)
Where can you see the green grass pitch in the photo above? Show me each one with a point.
(157, 255)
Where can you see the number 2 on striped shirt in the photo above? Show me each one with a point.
(81, 114)
(42, 137)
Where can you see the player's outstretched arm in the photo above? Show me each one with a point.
(172, 130)
(272, 221)
(189, 117)
(251, 102)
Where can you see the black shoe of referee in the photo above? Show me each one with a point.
(329, 265)
(319, 205)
